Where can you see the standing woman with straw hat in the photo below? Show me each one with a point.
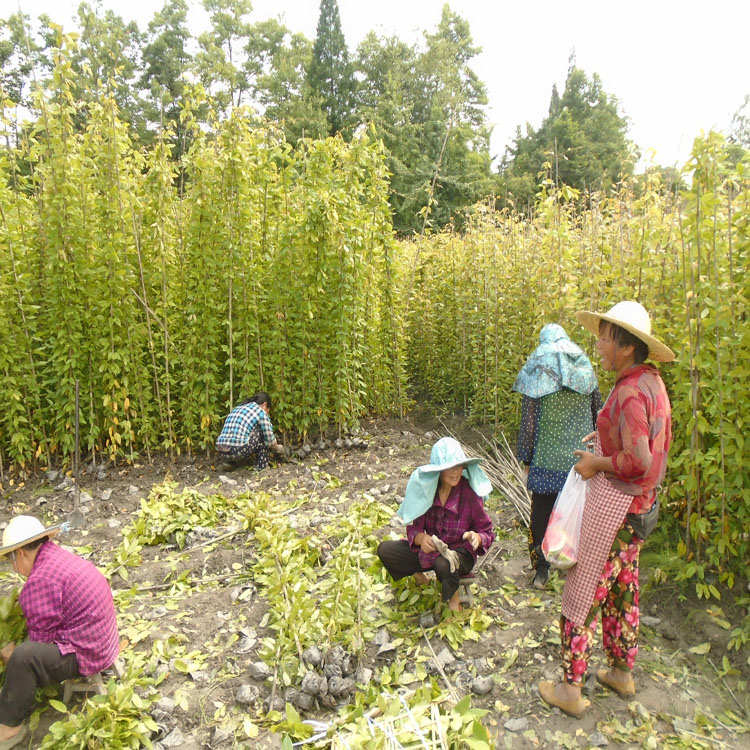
(632, 439)
(447, 523)
(560, 402)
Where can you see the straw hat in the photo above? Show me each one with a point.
(25, 529)
(631, 316)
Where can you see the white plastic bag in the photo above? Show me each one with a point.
(560, 543)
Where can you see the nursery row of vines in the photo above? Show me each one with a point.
(173, 289)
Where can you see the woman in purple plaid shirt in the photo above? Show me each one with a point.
(448, 525)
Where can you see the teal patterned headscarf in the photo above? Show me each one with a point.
(555, 364)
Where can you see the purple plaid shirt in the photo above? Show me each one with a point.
(68, 602)
(463, 511)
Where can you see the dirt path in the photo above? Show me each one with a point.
(203, 640)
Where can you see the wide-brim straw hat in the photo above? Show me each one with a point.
(633, 317)
(23, 530)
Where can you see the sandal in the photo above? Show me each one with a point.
(571, 708)
(603, 678)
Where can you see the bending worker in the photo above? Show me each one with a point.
(248, 434)
(70, 618)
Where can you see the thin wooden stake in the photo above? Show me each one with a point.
(77, 455)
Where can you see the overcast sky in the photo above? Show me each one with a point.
(677, 67)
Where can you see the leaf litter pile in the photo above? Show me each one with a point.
(254, 613)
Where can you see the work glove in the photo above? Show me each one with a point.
(450, 555)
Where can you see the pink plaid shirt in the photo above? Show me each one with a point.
(68, 602)
(463, 511)
(635, 429)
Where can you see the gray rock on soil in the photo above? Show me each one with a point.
(106, 494)
(597, 739)
(174, 739)
(520, 724)
(304, 701)
(340, 686)
(133, 490)
(333, 670)
(482, 685)
(165, 704)
(427, 620)
(589, 687)
(445, 657)
(246, 694)
(381, 637)
(101, 475)
(52, 475)
(312, 656)
(652, 622)
(481, 665)
(277, 705)
(259, 671)
(364, 676)
(314, 684)
(220, 736)
(224, 479)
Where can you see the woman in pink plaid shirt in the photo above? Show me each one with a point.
(623, 474)
(70, 619)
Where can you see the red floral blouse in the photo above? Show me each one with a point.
(635, 430)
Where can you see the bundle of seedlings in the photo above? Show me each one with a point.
(504, 471)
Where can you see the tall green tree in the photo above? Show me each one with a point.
(739, 129)
(583, 139)
(222, 62)
(283, 91)
(17, 51)
(107, 62)
(330, 75)
(428, 105)
(166, 62)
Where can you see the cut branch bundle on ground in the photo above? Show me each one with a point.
(504, 471)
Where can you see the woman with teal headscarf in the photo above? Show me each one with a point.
(447, 523)
(561, 400)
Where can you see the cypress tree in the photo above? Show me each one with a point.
(330, 75)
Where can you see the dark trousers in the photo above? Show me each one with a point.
(541, 509)
(400, 560)
(241, 454)
(32, 665)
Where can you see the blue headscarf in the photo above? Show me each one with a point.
(555, 364)
(422, 485)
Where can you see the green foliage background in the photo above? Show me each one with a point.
(171, 288)
(479, 300)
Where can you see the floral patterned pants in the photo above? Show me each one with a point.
(617, 598)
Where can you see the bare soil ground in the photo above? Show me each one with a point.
(679, 693)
